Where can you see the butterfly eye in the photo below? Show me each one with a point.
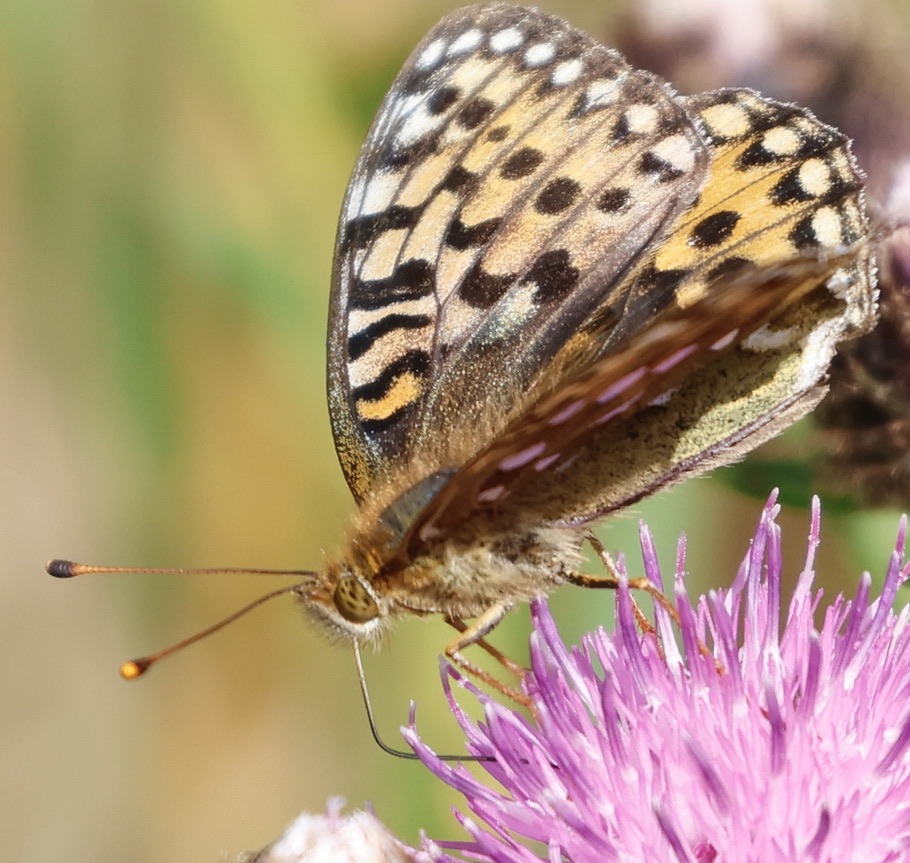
(353, 600)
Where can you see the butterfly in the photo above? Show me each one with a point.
(559, 287)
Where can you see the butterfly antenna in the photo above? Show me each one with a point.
(371, 720)
(134, 668)
(71, 569)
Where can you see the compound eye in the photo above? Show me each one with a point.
(353, 600)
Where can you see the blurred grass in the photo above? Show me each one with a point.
(171, 176)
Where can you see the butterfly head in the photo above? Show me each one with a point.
(344, 602)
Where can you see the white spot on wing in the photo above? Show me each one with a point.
(642, 118)
(517, 307)
(729, 121)
(618, 410)
(546, 461)
(355, 197)
(766, 339)
(567, 72)
(431, 55)
(378, 193)
(781, 141)
(539, 55)
(725, 341)
(490, 494)
(382, 254)
(817, 352)
(567, 412)
(674, 359)
(663, 398)
(827, 226)
(677, 151)
(418, 124)
(601, 93)
(429, 532)
(621, 385)
(506, 40)
(466, 42)
(815, 177)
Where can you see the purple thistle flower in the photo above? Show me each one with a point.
(783, 742)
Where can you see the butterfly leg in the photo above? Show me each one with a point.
(610, 581)
(475, 634)
(510, 665)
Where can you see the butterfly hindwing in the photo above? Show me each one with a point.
(781, 206)
(543, 446)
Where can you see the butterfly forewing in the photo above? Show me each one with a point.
(516, 172)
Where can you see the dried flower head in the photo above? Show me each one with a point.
(334, 838)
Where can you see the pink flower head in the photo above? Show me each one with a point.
(780, 742)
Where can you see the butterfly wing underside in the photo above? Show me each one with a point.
(515, 174)
(559, 287)
(551, 444)
(777, 241)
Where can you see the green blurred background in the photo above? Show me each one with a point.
(170, 178)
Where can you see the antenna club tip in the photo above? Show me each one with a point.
(62, 568)
(134, 668)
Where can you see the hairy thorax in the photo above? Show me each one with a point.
(363, 590)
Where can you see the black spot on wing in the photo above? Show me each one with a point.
(727, 267)
(621, 129)
(396, 157)
(613, 200)
(461, 236)
(659, 284)
(651, 163)
(558, 195)
(757, 155)
(715, 229)
(411, 280)
(459, 179)
(361, 342)
(553, 274)
(789, 190)
(416, 82)
(803, 234)
(362, 230)
(475, 112)
(521, 163)
(481, 290)
(442, 99)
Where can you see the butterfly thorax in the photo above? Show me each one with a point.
(375, 580)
